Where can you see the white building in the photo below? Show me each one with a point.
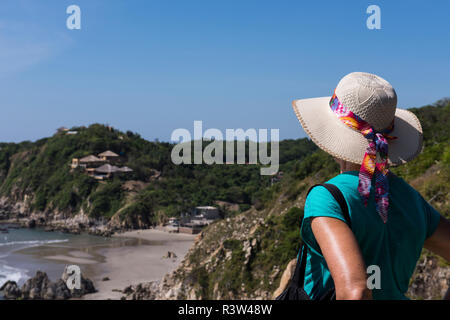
(207, 212)
(200, 216)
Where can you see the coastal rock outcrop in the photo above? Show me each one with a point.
(41, 288)
(144, 291)
(58, 291)
(10, 290)
(36, 287)
(86, 285)
(19, 212)
(31, 223)
(166, 289)
(3, 214)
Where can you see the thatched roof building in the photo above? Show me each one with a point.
(90, 158)
(107, 168)
(108, 154)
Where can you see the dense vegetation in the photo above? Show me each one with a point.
(429, 173)
(41, 171)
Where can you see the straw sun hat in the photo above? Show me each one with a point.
(372, 99)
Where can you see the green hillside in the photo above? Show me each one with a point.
(40, 173)
(245, 256)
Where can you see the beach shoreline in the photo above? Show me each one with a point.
(144, 262)
(112, 263)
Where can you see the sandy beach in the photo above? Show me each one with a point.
(143, 262)
(124, 259)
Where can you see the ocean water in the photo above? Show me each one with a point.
(25, 251)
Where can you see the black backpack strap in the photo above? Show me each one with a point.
(339, 197)
(299, 274)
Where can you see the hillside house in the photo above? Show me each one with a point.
(200, 217)
(207, 212)
(62, 130)
(99, 167)
(106, 171)
(87, 162)
(109, 156)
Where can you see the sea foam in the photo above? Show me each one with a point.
(8, 273)
(32, 242)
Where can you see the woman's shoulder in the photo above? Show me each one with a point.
(343, 181)
(320, 202)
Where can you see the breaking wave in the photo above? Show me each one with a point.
(32, 242)
(8, 273)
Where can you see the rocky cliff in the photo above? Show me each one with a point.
(40, 287)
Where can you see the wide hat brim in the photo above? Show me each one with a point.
(336, 138)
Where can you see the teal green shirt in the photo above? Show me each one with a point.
(394, 247)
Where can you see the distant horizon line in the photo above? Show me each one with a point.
(158, 140)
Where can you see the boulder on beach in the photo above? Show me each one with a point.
(142, 291)
(170, 254)
(35, 288)
(10, 290)
(57, 291)
(86, 285)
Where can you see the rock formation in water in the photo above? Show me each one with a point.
(41, 288)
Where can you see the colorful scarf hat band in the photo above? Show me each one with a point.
(370, 166)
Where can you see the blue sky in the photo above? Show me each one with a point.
(153, 66)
